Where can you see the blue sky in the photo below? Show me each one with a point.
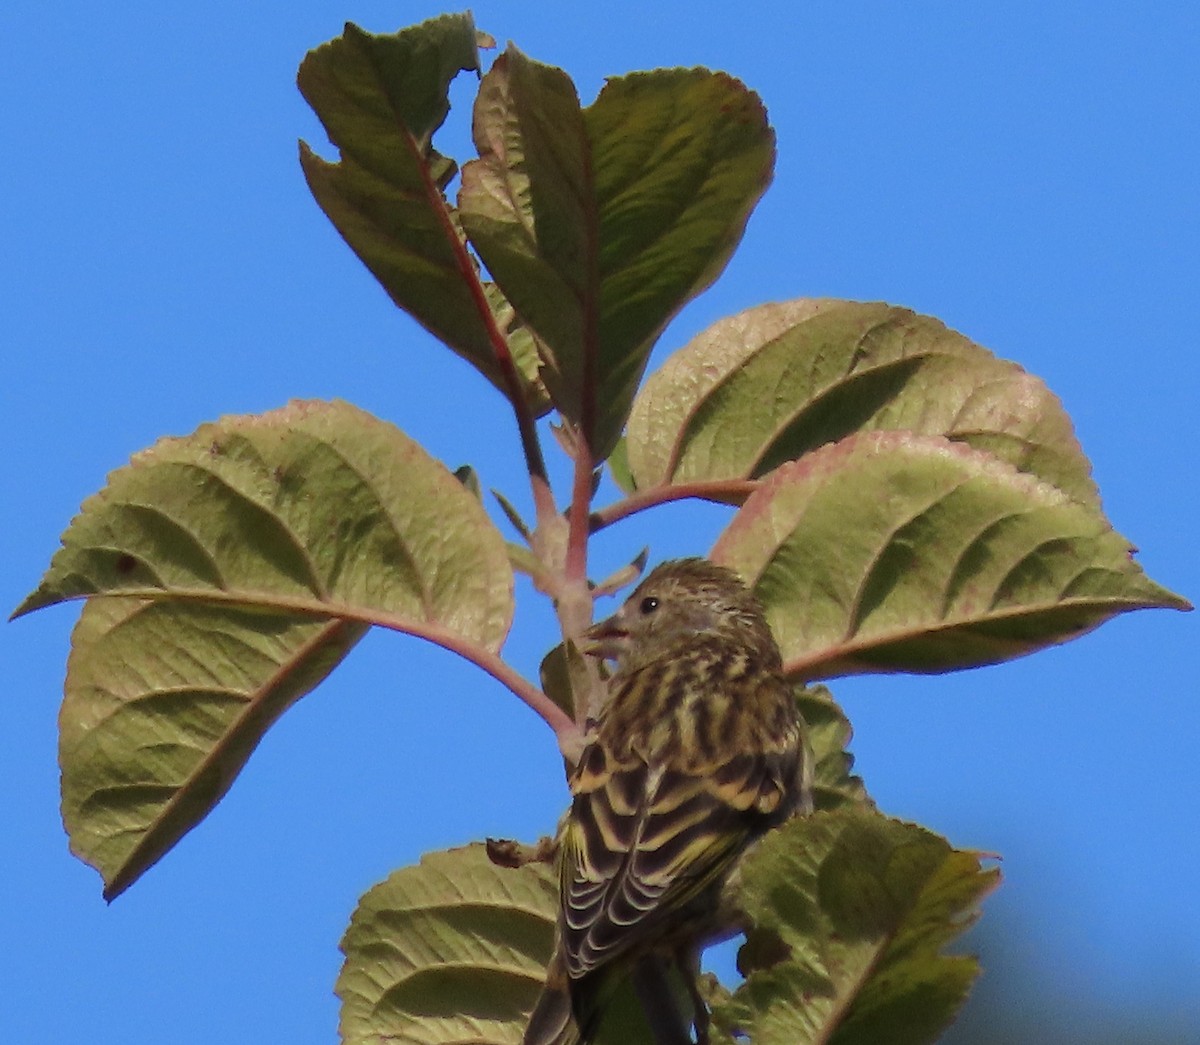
(1029, 175)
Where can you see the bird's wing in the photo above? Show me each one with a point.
(643, 840)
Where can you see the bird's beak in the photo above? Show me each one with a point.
(606, 640)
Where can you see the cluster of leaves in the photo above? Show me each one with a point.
(905, 502)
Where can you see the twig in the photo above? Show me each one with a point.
(722, 491)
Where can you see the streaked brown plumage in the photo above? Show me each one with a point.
(697, 751)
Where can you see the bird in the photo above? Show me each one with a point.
(696, 751)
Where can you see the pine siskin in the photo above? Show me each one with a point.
(697, 751)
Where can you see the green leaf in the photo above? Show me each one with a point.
(896, 552)
(600, 224)
(380, 99)
(564, 677)
(251, 555)
(467, 475)
(778, 381)
(680, 159)
(524, 345)
(452, 950)
(850, 912)
(315, 509)
(164, 704)
(527, 207)
(455, 950)
(828, 731)
(618, 468)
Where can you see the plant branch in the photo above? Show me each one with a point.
(575, 600)
(721, 491)
(579, 519)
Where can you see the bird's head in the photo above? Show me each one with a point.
(679, 602)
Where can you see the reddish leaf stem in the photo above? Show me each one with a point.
(491, 662)
(504, 673)
(575, 601)
(722, 491)
(579, 518)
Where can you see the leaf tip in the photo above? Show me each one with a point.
(37, 599)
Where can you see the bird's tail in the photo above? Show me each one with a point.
(552, 1021)
(570, 1012)
(573, 1012)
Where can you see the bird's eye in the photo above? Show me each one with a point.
(649, 604)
